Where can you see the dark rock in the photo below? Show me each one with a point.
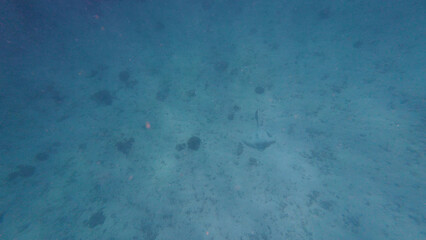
(194, 143)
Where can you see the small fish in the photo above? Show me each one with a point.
(261, 139)
(2, 216)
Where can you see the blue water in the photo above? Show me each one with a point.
(212, 119)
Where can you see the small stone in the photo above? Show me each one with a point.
(194, 143)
